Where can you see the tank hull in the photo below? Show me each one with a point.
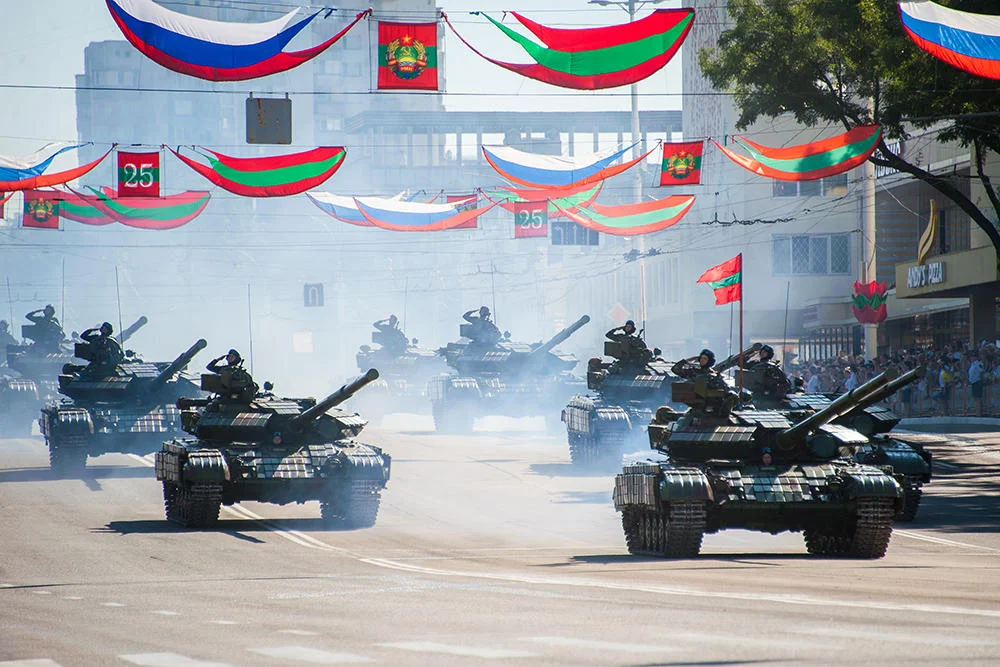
(843, 508)
(346, 477)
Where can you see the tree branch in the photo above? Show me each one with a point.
(980, 158)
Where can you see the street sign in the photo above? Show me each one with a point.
(618, 314)
(312, 295)
(269, 120)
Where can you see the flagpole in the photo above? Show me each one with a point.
(740, 348)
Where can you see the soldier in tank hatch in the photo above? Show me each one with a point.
(393, 338)
(634, 349)
(107, 351)
(483, 328)
(5, 338)
(49, 331)
(765, 380)
(232, 358)
(236, 380)
(696, 366)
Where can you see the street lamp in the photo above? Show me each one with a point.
(640, 241)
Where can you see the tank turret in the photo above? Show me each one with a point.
(336, 398)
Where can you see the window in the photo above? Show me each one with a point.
(567, 232)
(833, 186)
(820, 254)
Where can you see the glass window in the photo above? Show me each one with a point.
(817, 254)
(810, 189)
(800, 254)
(780, 253)
(840, 254)
(784, 189)
(835, 186)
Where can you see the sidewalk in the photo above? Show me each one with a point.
(950, 423)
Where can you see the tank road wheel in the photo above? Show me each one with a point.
(67, 455)
(644, 531)
(452, 418)
(684, 529)
(912, 493)
(355, 506)
(873, 528)
(193, 505)
(827, 543)
(630, 524)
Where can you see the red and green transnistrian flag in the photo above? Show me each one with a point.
(595, 58)
(407, 56)
(271, 176)
(681, 163)
(869, 302)
(726, 279)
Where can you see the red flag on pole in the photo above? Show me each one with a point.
(681, 163)
(726, 280)
(41, 209)
(407, 56)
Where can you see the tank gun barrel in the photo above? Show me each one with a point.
(345, 392)
(838, 408)
(888, 390)
(131, 329)
(178, 364)
(734, 359)
(561, 336)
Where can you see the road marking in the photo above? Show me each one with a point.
(312, 655)
(883, 637)
(149, 463)
(942, 540)
(112, 604)
(302, 633)
(470, 651)
(801, 600)
(168, 660)
(222, 621)
(72, 597)
(597, 645)
(42, 592)
(166, 612)
(39, 662)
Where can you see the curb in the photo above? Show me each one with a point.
(919, 423)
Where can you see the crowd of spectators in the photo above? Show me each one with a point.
(960, 379)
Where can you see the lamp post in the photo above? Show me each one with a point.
(640, 242)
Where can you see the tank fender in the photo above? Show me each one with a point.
(66, 421)
(685, 484)
(360, 461)
(205, 465)
(871, 483)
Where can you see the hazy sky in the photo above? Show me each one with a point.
(39, 51)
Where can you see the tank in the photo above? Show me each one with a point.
(911, 463)
(756, 470)
(127, 408)
(256, 446)
(404, 371)
(31, 377)
(613, 415)
(502, 378)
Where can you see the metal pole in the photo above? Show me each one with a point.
(868, 239)
(10, 304)
(250, 327)
(640, 241)
(784, 333)
(118, 293)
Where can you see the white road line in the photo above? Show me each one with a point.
(301, 633)
(112, 604)
(470, 651)
(167, 660)
(222, 621)
(311, 655)
(799, 600)
(166, 612)
(72, 597)
(598, 645)
(42, 592)
(943, 541)
(39, 662)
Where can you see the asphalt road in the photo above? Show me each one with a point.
(490, 549)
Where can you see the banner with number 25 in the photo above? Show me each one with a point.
(138, 174)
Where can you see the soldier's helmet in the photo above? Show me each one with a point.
(707, 353)
(392, 320)
(766, 352)
(107, 329)
(49, 310)
(3, 325)
(629, 324)
(233, 356)
(484, 312)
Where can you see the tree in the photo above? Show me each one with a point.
(850, 62)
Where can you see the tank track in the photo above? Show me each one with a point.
(354, 507)
(586, 450)
(868, 539)
(679, 535)
(194, 504)
(68, 454)
(912, 493)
